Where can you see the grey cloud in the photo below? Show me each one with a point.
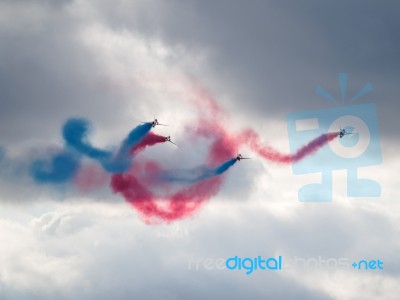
(47, 75)
(272, 54)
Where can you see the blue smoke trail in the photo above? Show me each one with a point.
(64, 165)
(133, 138)
(225, 166)
(62, 168)
(75, 133)
(196, 174)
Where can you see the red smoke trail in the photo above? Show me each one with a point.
(253, 140)
(227, 143)
(204, 100)
(186, 201)
(173, 207)
(224, 144)
(178, 205)
(91, 177)
(149, 140)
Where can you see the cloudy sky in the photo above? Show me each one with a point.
(121, 62)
